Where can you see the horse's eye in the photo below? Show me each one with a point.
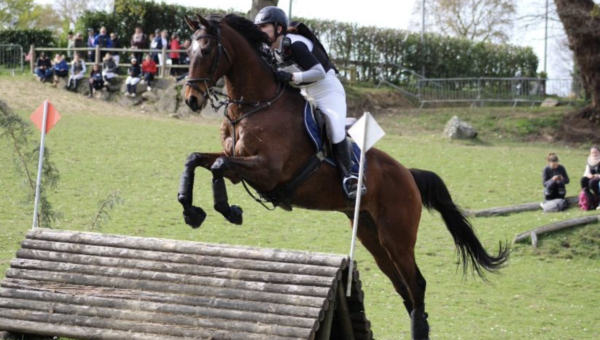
(206, 50)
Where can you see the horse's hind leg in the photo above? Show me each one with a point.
(398, 236)
(367, 233)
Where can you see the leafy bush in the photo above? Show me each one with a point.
(25, 38)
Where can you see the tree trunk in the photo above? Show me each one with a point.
(257, 5)
(581, 20)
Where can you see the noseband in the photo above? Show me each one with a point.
(192, 82)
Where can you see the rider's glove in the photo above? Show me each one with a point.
(284, 77)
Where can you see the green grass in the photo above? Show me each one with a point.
(543, 294)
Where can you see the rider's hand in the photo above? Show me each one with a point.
(284, 77)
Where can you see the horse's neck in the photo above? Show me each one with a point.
(249, 79)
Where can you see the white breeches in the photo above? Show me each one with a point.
(329, 96)
(77, 76)
(132, 81)
(108, 75)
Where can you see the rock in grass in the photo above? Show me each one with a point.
(550, 102)
(457, 129)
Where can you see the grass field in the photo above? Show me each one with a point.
(552, 293)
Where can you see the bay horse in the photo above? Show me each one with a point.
(265, 145)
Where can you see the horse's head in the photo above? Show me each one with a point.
(209, 61)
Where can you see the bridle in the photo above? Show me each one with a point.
(192, 82)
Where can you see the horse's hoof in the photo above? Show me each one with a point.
(235, 215)
(194, 217)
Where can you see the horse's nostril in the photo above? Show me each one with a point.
(192, 102)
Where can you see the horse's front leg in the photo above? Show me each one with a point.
(194, 216)
(252, 168)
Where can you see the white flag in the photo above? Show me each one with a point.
(372, 131)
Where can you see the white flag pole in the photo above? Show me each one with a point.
(361, 169)
(40, 166)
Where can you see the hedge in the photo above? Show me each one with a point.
(25, 38)
(370, 49)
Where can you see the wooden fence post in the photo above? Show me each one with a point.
(163, 71)
(97, 54)
(32, 57)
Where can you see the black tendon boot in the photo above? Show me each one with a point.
(419, 324)
(343, 161)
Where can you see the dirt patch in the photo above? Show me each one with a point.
(374, 101)
(576, 129)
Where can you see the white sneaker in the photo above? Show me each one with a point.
(126, 94)
(149, 89)
(133, 95)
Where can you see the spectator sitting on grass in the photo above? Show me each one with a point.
(43, 67)
(96, 81)
(591, 178)
(77, 73)
(148, 71)
(133, 79)
(109, 69)
(60, 68)
(554, 178)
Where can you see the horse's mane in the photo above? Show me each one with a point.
(246, 28)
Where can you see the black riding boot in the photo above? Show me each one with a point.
(343, 161)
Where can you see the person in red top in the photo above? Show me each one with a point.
(148, 71)
(175, 45)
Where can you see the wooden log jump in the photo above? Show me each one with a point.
(101, 287)
(499, 211)
(533, 234)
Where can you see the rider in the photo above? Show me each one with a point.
(304, 65)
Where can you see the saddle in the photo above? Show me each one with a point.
(315, 126)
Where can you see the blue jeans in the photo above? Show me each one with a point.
(43, 74)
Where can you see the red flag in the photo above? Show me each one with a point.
(37, 117)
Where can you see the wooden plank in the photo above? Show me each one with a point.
(499, 211)
(157, 318)
(557, 226)
(186, 247)
(75, 332)
(138, 274)
(91, 280)
(153, 307)
(315, 282)
(210, 261)
(168, 298)
(133, 327)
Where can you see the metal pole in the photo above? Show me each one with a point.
(40, 166)
(546, 43)
(423, 39)
(290, 12)
(361, 170)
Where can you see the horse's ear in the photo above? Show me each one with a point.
(194, 25)
(203, 21)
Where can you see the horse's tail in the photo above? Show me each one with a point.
(435, 195)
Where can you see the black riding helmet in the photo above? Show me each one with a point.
(272, 15)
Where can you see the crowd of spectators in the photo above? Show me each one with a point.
(72, 66)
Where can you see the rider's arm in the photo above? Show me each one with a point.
(307, 60)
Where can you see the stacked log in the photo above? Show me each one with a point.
(94, 286)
